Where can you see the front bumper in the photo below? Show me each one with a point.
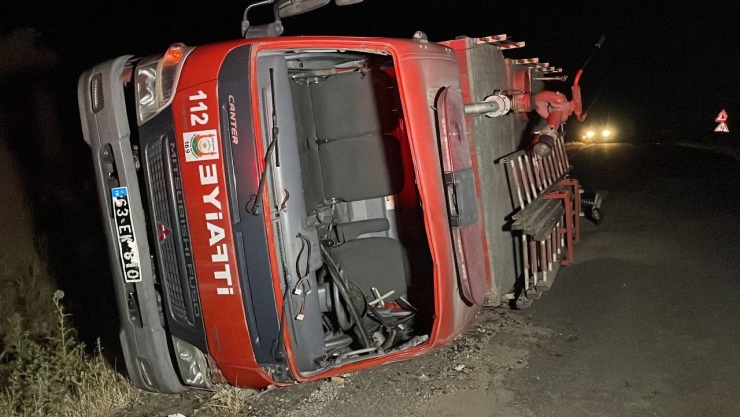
(145, 343)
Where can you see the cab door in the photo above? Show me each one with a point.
(466, 228)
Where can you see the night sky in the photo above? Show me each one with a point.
(667, 68)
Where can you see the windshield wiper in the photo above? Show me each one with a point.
(257, 198)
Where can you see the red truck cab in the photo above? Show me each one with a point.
(285, 209)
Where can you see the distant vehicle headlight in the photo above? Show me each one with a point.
(590, 134)
(606, 133)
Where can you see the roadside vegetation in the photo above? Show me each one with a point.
(44, 370)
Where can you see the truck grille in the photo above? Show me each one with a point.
(176, 288)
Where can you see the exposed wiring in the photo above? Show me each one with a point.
(301, 284)
(304, 278)
(284, 205)
(277, 344)
(305, 243)
(365, 339)
(302, 311)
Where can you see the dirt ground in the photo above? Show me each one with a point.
(468, 378)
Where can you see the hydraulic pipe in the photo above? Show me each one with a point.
(494, 105)
(479, 108)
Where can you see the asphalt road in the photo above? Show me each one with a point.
(646, 320)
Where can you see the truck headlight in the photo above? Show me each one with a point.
(192, 364)
(146, 79)
(156, 79)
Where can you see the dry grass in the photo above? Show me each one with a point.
(227, 401)
(44, 370)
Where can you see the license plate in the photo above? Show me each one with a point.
(127, 247)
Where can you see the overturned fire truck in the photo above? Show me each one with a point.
(281, 210)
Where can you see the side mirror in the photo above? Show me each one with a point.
(283, 8)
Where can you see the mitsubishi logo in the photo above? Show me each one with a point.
(164, 232)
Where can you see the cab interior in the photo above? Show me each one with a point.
(356, 265)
